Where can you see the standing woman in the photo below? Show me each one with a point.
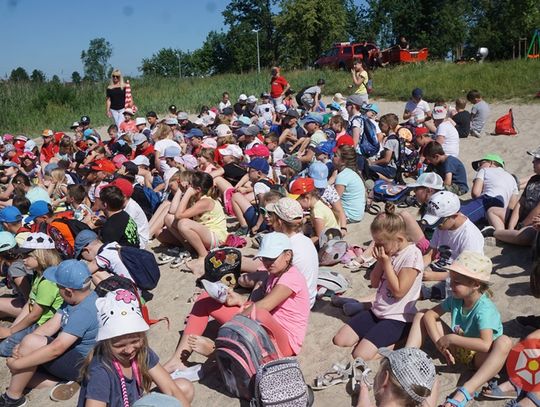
(360, 78)
(116, 97)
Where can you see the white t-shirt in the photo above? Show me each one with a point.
(260, 188)
(135, 211)
(265, 111)
(224, 105)
(418, 110)
(306, 260)
(497, 182)
(466, 237)
(451, 138)
(109, 259)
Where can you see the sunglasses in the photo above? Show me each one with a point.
(116, 76)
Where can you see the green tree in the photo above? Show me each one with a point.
(214, 56)
(163, 63)
(76, 77)
(55, 79)
(96, 59)
(18, 75)
(37, 76)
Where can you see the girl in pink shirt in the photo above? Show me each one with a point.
(398, 277)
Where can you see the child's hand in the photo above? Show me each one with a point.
(234, 299)
(380, 254)
(443, 345)
(4, 332)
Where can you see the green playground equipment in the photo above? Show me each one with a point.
(534, 47)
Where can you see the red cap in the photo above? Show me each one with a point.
(103, 165)
(302, 186)
(420, 131)
(258, 150)
(344, 140)
(123, 185)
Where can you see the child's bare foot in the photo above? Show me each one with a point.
(174, 364)
(202, 345)
(196, 267)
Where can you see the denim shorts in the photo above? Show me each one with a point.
(7, 345)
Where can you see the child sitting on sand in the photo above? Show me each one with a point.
(450, 168)
(475, 337)
(479, 112)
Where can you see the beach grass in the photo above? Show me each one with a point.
(28, 108)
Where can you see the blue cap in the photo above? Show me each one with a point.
(313, 118)
(38, 208)
(50, 168)
(319, 172)
(194, 132)
(171, 152)
(325, 147)
(273, 244)
(334, 106)
(259, 164)
(9, 164)
(88, 132)
(372, 107)
(10, 214)
(83, 239)
(417, 93)
(7, 241)
(69, 274)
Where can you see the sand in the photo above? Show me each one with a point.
(510, 282)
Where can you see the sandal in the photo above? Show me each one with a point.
(530, 396)
(360, 373)
(496, 393)
(338, 374)
(373, 209)
(182, 258)
(462, 403)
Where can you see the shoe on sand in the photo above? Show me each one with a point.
(192, 373)
(64, 391)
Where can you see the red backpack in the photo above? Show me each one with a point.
(505, 125)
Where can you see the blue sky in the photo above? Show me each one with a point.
(49, 35)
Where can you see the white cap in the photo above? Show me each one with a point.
(439, 113)
(428, 180)
(141, 160)
(171, 121)
(441, 205)
(29, 145)
(232, 149)
(209, 142)
(38, 240)
(223, 130)
(140, 120)
(182, 116)
(243, 97)
(129, 111)
(252, 99)
(281, 108)
(168, 175)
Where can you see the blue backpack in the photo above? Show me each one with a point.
(369, 143)
(153, 198)
(142, 266)
(384, 191)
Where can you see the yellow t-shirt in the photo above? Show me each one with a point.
(321, 211)
(362, 90)
(215, 220)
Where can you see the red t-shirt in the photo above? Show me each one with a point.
(277, 85)
(48, 151)
(148, 151)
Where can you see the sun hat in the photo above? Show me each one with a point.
(139, 121)
(441, 205)
(38, 208)
(242, 97)
(223, 130)
(338, 98)
(319, 172)
(417, 93)
(291, 162)
(281, 108)
(47, 133)
(194, 132)
(123, 185)
(287, 209)
(119, 314)
(83, 239)
(37, 240)
(259, 164)
(252, 99)
(74, 125)
(70, 273)
(439, 112)
(182, 116)
(138, 139)
(412, 368)
(209, 142)
(535, 153)
(141, 160)
(188, 161)
(428, 180)
(488, 157)
(29, 145)
(232, 149)
(356, 100)
(168, 175)
(10, 214)
(258, 150)
(7, 241)
(473, 265)
(301, 186)
(273, 244)
(128, 111)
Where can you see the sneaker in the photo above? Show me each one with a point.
(64, 391)
(475, 134)
(192, 373)
(488, 231)
(530, 321)
(218, 291)
(6, 401)
(181, 259)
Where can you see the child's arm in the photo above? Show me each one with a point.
(385, 159)
(218, 172)
(318, 227)
(482, 344)
(431, 322)
(434, 275)
(375, 275)
(478, 185)
(340, 215)
(242, 181)
(399, 284)
(28, 319)
(260, 220)
(198, 208)
(167, 386)
(448, 178)
(273, 299)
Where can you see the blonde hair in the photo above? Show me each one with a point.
(103, 350)
(45, 258)
(388, 223)
(163, 132)
(115, 72)
(58, 176)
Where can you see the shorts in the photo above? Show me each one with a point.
(9, 343)
(384, 170)
(214, 241)
(251, 215)
(476, 209)
(380, 332)
(67, 366)
(157, 399)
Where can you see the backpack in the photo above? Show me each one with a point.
(281, 383)
(69, 228)
(299, 95)
(332, 247)
(407, 159)
(142, 266)
(369, 86)
(505, 125)
(153, 198)
(384, 191)
(222, 265)
(369, 143)
(242, 345)
(331, 282)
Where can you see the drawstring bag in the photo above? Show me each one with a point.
(505, 125)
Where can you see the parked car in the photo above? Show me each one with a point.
(342, 55)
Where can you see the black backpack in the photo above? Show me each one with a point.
(142, 266)
(299, 95)
(75, 226)
(222, 265)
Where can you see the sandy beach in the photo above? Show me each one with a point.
(510, 283)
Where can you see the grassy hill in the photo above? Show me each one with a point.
(29, 108)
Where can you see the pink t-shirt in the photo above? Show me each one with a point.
(386, 306)
(293, 313)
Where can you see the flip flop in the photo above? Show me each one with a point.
(497, 394)
(338, 374)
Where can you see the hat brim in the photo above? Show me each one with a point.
(269, 253)
(417, 185)
(464, 271)
(293, 196)
(135, 324)
(476, 164)
(431, 220)
(23, 250)
(50, 274)
(320, 183)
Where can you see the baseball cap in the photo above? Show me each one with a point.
(29, 145)
(140, 120)
(128, 111)
(171, 152)
(74, 125)
(103, 165)
(138, 139)
(231, 149)
(141, 160)
(209, 142)
(334, 106)
(291, 162)
(441, 204)
(71, 273)
(38, 208)
(47, 133)
(251, 130)
(301, 186)
(7, 241)
(319, 172)
(37, 240)
(258, 150)
(473, 265)
(252, 99)
(259, 164)
(338, 97)
(325, 147)
(344, 140)
(488, 157)
(182, 116)
(84, 120)
(287, 209)
(242, 97)
(428, 180)
(439, 112)
(265, 95)
(9, 164)
(194, 132)
(292, 113)
(188, 161)
(118, 160)
(281, 108)
(50, 168)
(171, 121)
(123, 185)
(372, 107)
(123, 315)
(151, 113)
(535, 153)
(412, 368)
(417, 93)
(10, 214)
(357, 100)
(227, 111)
(83, 239)
(273, 244)
(223, 130)
(87, 133)
(313, 118)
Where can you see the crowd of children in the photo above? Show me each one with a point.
(80, 214)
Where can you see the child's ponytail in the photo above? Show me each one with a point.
(388, 222)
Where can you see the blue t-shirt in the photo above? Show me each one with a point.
(483, 315)
(454, 166)
(81, 321)
(103, 384)
(354, 196)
